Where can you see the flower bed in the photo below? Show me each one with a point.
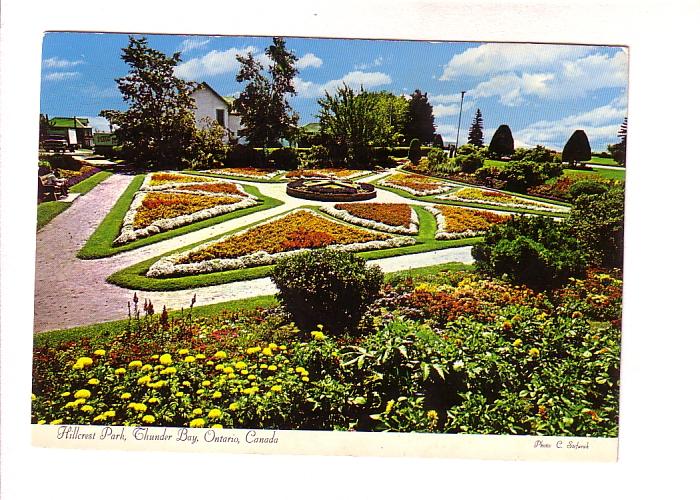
(330, 190)
(497, 198)
(251, 172)
(264, 244)
(326, 173)
(417, 185)
(179, 201)
(391, 217)
(73, 177)
(460, 222)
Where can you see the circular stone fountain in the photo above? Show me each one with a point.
(330, 190)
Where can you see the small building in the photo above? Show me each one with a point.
(210, 105)
(76, 131)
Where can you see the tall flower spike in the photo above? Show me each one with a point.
(136, 299)
(194, 299)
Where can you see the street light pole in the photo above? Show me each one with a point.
(459, 121)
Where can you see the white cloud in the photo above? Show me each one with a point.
(354, 80)
(215, 62)
(376, 62)
(98, 123)
(444, 98)
(96, 92)
(492, 58)
(189, 44)
(55, 62)
(309, 60)
(600, 124)
(574, 79)
(59, 76)
(440, 110)
(448, 132)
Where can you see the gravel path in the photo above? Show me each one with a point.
(72, 292)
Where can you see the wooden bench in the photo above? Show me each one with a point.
(49, 191)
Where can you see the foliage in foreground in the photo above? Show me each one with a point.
(454, 353)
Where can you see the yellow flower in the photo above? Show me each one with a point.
(432, 415)
(318, 335)
(183, 351)
(251, 377)
(276, 388)
(135, 364)
(240, 365)
(100, 352)
(169, 371)
(155, 356)
(209, 363)
(216, 395)
(56, 422)
(305, 379)
(87, 409)
(217, 426)
(146, 368)
(534, 352)
(206, 383)
(189, 359)
(244, 372)
(82, 393)
(197, 411)
(197, 422)
(166, 359)
(517, 343)
(82, 363)
(267, 351)
(125, 395)
(389, 406)
(93, 381)
(220, 355)
(65, 394)
(219, 367)
(186, 383)
(215, 413)
(41, 422)
(140, 407)
(283, 348)
(299, 369)
(272, 346)
(148, 419)
(143, 380)
(120, 371)
(153, 400)
(200, 392)
(252, 350)
(109, 413)
(228, 370)
(79, 401)
(33, 397)
(272, 368)
(264, 365)
(200, 356)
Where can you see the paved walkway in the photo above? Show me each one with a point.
(72, 292)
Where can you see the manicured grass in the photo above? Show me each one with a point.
(87, 184)
(100, 242)
(606, 173)
(494, 163)
(603, 161)
(277, 179)
(47, 211)
(134, 277)
(102, 332)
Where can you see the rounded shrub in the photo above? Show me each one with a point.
(285, 159)
(328, 287)
(586, 187)
(414, 152)
(469, 163)
(244, 155)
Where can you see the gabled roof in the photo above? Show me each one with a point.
(69, 122)
(227, 100)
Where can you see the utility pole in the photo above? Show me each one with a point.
(459, 121)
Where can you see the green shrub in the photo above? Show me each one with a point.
(469, 163)
(208, 146)
(534, 251)
(327, 287)
(586, 187)
(467, 149)
(285, 159)
(318, 157)
(414, 151)
(436, 157)
(64, 162)
(518, 176)
(244, 155)
(538, 154)
(597, 221)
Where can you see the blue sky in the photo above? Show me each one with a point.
(543, 92)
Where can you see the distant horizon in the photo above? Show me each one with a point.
(543, 92)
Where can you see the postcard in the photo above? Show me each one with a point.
(284, 245)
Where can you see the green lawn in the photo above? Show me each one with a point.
(99, 244)
(603, 161)
(101, 332)
(47, 211)
(606, 173)
(494, 163)
(277, 179)
(134, 277)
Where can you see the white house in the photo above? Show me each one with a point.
(209, 104)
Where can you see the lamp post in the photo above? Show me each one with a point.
(459, 121)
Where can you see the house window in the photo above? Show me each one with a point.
(220, 117)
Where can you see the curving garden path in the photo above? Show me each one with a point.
(73, 292)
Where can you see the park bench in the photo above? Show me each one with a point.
(48, 191)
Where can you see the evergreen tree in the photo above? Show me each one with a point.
(619, 150)
(577, 148)
(476, 131)
(158, 128)
(266, 116)
(502, 143)
(421, 122)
